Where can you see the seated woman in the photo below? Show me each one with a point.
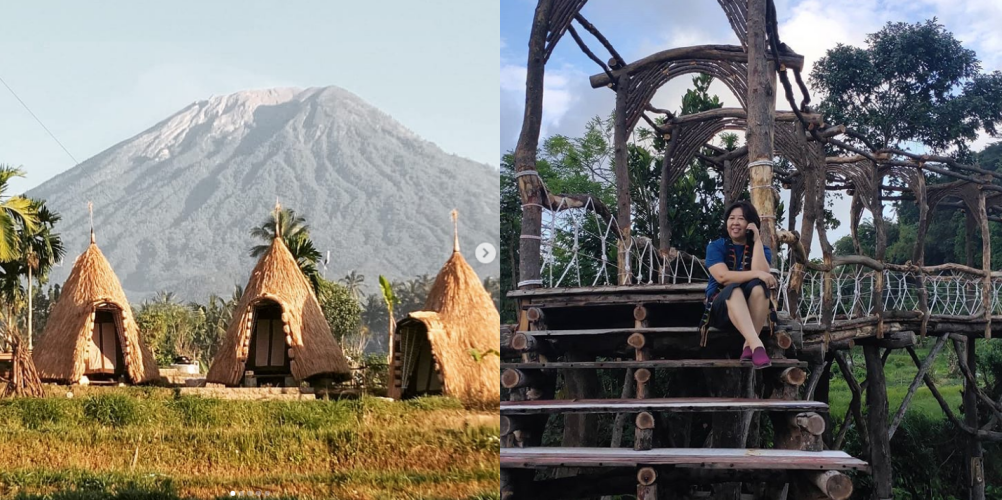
(740, 262)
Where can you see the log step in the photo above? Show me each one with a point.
(705, 458)
(656, 363)
(654, 290)
(654, 405)
(667, 330)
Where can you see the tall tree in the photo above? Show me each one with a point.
(353, 282)
(913, 83)
(344, 316)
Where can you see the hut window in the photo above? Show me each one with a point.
(269, 339)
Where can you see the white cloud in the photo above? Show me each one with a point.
(562, 91)
(976, 23)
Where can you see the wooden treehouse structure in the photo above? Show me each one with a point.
(718, 429)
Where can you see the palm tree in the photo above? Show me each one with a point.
(292, 226)
(16, 213)
(296, 235)
(38, 248)
(353, 282)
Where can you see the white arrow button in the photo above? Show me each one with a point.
(486, 253)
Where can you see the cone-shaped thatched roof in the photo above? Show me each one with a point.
(61, 353)
(460, 316)
(312, 348)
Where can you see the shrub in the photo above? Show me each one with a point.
(196, 411)
(430, 403)
(113, 410)
(38, 413)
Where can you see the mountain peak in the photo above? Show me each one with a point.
(175, 203)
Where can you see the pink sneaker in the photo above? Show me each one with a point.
(760, 359)
(746, 354)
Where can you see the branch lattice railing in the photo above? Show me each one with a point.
(580, 248)
(949, 293)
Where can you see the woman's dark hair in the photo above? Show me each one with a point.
(751, 215)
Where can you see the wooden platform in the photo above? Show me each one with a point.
(611, 290)
(706, 458)
(657, 405)
(669, 330)
(653, 364)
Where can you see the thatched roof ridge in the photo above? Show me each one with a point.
(312, 347)
(60, 354)
(460, 317)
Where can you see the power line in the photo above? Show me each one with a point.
(53, 136)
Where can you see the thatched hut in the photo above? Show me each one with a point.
(449, 347)
(91, 331)
(278, 332)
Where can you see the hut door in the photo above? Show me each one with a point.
(103, 348)
(269, 339)
(420, 377)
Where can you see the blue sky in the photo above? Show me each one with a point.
(97, 74)
(638, 28)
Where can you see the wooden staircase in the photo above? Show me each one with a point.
(644, 331)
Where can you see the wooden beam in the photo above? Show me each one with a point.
(895, 340)
(706, 458)
(710, 52)
(919, 377)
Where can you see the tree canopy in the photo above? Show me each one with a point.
(912, 83)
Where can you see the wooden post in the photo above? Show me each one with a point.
(513, 378)
(918, 255)
(647, 488)
(580, 429)
(642, 376)
(821, 393)
(876, 403)
(645, 431)
(621, 165)
(536, 318)
(881, 249)
(507, 489)
(529, 183)
(761, 120)
(664, 227)
(986, 264)
(826, 485)
(975, 465)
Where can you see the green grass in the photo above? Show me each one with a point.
(140, 443)
(899, 372)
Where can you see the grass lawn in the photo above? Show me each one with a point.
(150, 443)
(899, 372)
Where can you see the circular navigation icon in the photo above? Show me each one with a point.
(486, 253)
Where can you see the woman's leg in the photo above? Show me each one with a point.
(758, 307)
(737, 311)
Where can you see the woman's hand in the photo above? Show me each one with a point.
(767, 278)
(754, 229)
